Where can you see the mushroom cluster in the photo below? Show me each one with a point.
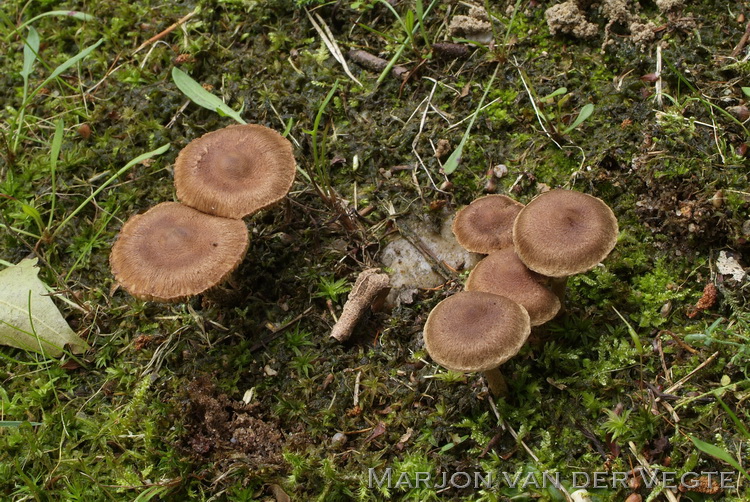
(531, 250)
(179, 249)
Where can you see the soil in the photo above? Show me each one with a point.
(220, 429)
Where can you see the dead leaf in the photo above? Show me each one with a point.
(378, 431)
(29, 319)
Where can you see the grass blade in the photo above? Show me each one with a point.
(16, 423)
(140, 158)
(452, 163)
(201, 97)
(81, 16)
(54, 154)
(719, 453)
(633, 335)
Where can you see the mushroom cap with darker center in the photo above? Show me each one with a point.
(503, 273)
(486, 224)
(235, 171)
(475, 331)
(173, 251)
(564, 232)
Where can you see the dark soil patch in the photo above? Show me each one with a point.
(219, 429)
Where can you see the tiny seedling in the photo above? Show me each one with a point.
(30, 56)
(330, 288)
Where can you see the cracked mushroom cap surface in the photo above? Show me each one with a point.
(173, 251)
(486, 224)
(475, 331)
(503, 273)
(235, 171)
(564, 232)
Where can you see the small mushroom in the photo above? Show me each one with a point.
(173, 251)
(503, 273)
(486, 224)
(369, 291)
(475, 331)
(564, 232)
(235, 171)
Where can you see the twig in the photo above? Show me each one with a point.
(647, 467)
(375, 63)
(533, 104)
(743, 42)
(679, 383)
(659, 82)
(166, 32)
(330, 41)
(356, 389)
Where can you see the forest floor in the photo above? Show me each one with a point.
(241, 394)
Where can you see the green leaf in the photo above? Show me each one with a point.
(29, 319)
(16, 423)
(585, 113)
(719, 453)
(746, 90)
(72, 61)
(202, 97)
(31, 211)
(555, 93)
(30, 51)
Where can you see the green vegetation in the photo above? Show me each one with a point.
(239, 394)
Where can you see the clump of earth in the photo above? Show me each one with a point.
(221, 429)
(572, 17)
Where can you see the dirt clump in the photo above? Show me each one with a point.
(571, 18)
(218, 428)
(568, 19)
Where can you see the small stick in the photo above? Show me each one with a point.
(743, 41)
(164, 33)
(659, 82)
(647, 467)
(375, 63)
(356, 389)
(681, 381)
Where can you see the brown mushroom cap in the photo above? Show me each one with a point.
(564, 232)
(475, 331)
(486, 224)
(173, 251)
(235, 171)
(503, 273)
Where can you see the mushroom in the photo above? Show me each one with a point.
(173, 251)
(235, 171)
(503, 273)
(476, 331)
(370, 289)
(564, 232)
(486, 224)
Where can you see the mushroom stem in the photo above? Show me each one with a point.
(496, 382)
(369, 289)
(558, 285)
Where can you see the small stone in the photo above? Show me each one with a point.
(338, 440)
(500, 170)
